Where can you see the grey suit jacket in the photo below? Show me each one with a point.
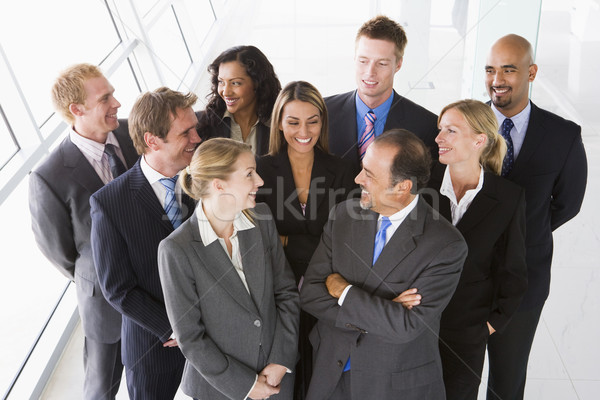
(394, 351)
(59, 194)
(226, 334)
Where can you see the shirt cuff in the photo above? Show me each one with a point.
(252, 388)
(343, 296)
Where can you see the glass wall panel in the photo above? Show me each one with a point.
(8, 146)
(39, 47)
(29, 288)
(170, 49)
(201, 17)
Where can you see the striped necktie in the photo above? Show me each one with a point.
(172, 208)
(115, 163)
(368, 134)
(509, 158)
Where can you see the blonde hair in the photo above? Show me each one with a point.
(69, 88)
(213, 159)
(154, 111)
(302, 91)
(481, 119)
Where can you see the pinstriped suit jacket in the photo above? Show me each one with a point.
(128, 223)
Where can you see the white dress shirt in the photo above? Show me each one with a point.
(94, 153)
(154, 178)
(396, 220)
(459, 208)
(208, 235)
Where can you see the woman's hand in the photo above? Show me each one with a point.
(274, 373)
(261, 389)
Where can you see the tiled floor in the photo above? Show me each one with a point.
(563, 363)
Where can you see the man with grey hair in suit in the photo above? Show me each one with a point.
(373, 250)
(93, 154)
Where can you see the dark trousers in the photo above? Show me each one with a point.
(462, 364)
(508, 353)
(102, 369)
(142, 385)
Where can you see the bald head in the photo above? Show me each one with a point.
(509, 70)
(517, 44)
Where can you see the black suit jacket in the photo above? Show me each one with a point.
(223, 130)
(494, 276)
(128, 223)
(331, 181)
(405, 114)
(552, 168)
(59, 201)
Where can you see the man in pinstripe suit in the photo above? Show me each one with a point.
(129, 221)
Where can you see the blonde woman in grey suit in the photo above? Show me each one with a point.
(230, 294)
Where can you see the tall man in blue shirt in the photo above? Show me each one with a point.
(357, 117)
(546, 157)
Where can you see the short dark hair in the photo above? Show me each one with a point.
(259, 68)
(412, 161)
(381, 27)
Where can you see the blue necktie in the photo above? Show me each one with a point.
(116, 165)
(509, 158)
(379, 244)
(380, 238)
(172, 208)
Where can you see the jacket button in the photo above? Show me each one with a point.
(340, 363)
(348, 325)
(257, 323)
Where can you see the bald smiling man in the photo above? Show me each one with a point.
(546, 157)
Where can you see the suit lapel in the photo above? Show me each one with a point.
(187, 206)
(218, 264)
(347, 125)
(262, 139)
(398, 247)
(321, 177)
(253, 261)
(483, 204)
(362, 244)
(439, 202)
(127, 149)
(81, 170)
(533, 138)
(396, 113)
(146, 198)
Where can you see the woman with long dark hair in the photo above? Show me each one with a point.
(244, 87)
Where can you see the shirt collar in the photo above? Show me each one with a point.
(92, 148)
(380, 111)
(207, 233)
(448, 190)
(227, 114)
(150, 173)
(397, 218)
(520, 121)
